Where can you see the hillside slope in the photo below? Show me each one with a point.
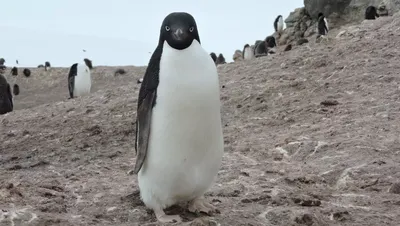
(311, 138)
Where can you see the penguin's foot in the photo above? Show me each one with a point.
(164, 218)
(201, 205)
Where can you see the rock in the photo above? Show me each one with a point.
(382, 11)
(395, 188)
(301, 41)
(327, 7)
(295, 16)
(304, 219)
(287, 48)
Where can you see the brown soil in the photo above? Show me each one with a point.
(311, 138)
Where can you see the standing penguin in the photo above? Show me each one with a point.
(278, 24)
(6, 98)
(323, 27)
(371, 13)
(220, 59)
(79, 79)
(248, 52)
(179, 140)
(213, 56)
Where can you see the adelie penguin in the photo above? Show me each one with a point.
(278, 24)
(322, 27)
(214, 57)
(248, 52)
(179, 140)
(6, 98)
(220, 59)
(371, 13)
(79, 79)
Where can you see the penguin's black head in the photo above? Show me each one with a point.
(213, 56)
(245, 46)
(320, 14)
(179, 29)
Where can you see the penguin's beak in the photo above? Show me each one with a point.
(179, 34)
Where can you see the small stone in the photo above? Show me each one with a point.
(305, 219)
(395, 188)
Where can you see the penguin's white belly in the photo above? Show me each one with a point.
(249, 53)
(280, 24)
(83, 82)
(186, 142)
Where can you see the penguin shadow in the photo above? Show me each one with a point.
(180, 209)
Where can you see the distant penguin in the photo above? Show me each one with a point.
(47, 66)
(271, 43)
(16, 89)
(14, 71)
(6, 98)
(214, 57)
(26, 72)
(278, 24)
(140, 80)
(79, 80)
(248, 52)
(220, 59)
(322, 28)
(16, 61)
(261, 49)
(371, 13)
(179, 139)
(40, 66)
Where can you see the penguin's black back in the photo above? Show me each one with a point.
(276, 23)
(73, 71)
(371, 13)
(321, 25)
(6, 102)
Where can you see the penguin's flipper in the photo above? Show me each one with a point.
(146, 102)
(143, 123)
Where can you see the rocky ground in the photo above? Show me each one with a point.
(311, 138)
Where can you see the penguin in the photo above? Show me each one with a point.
(322, 28)
(278, 24)
(47, 66)
(140, 80)
(270, 40)
(248, 52)
(26, 72)
(16, 61)
(261, 49)
(16, 89)
(371, 13)
(79, 80)
(6, 98)
(179, 140)
(214, 57)
(14, 71)
(220, 59)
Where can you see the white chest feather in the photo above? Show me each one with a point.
(248, 53)
(280, 24)
(83, 81)
(186, 142)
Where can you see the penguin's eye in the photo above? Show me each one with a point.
(167, 28)
(191, 29)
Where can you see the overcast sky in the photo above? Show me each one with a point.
(125, 32)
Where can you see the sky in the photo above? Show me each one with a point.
(125, 32)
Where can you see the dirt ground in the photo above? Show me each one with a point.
(311, 138)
